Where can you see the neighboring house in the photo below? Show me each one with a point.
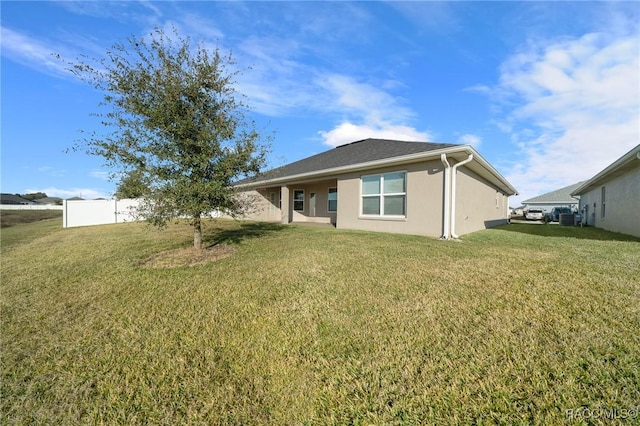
(611, 199)
(439, 190)
(558, 198)
(52, 201)
(14, 200)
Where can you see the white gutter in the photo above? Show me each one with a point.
(454, 170)
(385, 162)
(447, 194)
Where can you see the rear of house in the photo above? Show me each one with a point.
(611, 199)
(438, 190)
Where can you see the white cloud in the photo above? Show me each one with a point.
(377, 112)
(574, 108)
(348, 132)
(86, 193)
(31, 52)
(469, 139)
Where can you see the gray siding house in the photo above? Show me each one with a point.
(611, 199)
(558, 198)
(432, 189)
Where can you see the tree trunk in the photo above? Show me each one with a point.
(197, 232)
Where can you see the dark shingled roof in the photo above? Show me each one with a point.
(14, 199)
(350, 154)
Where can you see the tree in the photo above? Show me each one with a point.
(34, 196)
(176, 127)
(132, 185)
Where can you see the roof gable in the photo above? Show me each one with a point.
(559, 196)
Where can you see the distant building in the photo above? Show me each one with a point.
(558, 198)
(15, 200)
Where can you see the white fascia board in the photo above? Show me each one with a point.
(632, 155)
(412, 158)
(506, 186)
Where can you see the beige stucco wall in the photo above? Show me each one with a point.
(425, 186)
(478, 204)
(622, 204)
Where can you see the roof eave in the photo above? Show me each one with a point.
(630, 156)
(403, 159)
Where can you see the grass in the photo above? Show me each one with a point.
(314, 326)
(42, 222)
(19, 217)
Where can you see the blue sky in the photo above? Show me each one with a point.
(547, 92)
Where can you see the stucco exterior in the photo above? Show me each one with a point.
(424, 183)
(479, 205)
(611, 199)
(622, 203)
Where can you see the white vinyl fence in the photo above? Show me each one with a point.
(97, 212)
(29, 207)
(102, 212)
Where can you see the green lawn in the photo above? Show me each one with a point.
(305, 325)
(19, 217)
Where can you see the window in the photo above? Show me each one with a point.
(384, 195)
(332, 198)
(603, 203)
(272, 203)
(298, 200)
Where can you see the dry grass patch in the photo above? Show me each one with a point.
(187, 257)
(18, 217)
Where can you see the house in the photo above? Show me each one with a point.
(558, 198)
(51, 201)
(611, 199)
(15, 200)
(432, 189)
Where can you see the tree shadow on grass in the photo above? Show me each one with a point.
(246, 231)
(585, 232)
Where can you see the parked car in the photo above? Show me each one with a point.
(554, 216)
(534, 214)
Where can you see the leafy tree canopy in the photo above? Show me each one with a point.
(34, 196)
(132, 185)
(177, 127)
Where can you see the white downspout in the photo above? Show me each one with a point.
(454, 170)
(447, 196)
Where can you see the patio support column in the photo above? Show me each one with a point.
(284, 204)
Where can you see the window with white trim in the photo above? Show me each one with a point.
(332, 200)
(384, 194)
(298, 200)
(603, 203)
